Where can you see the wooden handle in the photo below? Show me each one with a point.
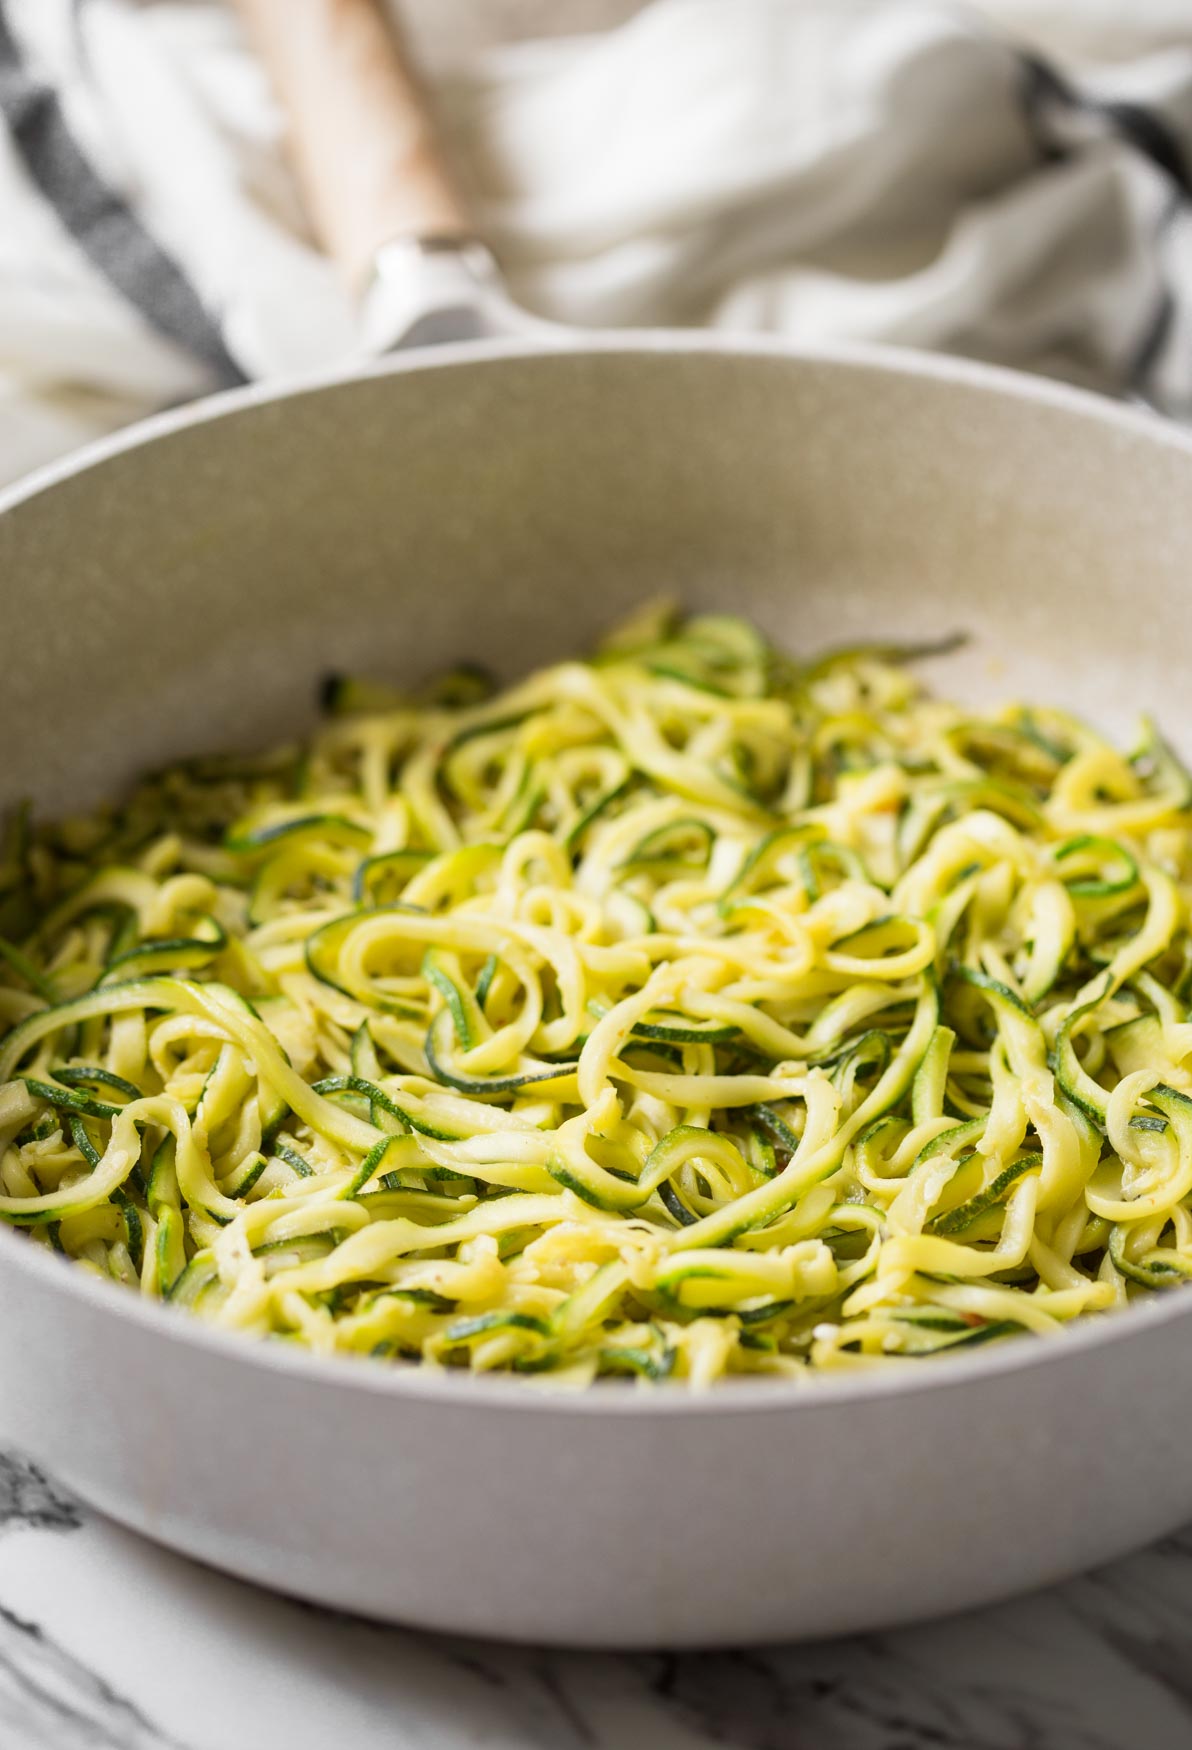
(361, 135)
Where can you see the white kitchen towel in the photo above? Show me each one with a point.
(1013, 182)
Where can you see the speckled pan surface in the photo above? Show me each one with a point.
(187, 589)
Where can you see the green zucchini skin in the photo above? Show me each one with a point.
(681, 1012)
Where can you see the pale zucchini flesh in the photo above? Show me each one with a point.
(680, 1013)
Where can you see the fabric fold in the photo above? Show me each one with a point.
(912, 173)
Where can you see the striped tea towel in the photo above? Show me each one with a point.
(1016, 188)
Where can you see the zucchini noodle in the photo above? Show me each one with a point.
(682, 1012)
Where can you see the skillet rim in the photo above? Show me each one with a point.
(448, 1388)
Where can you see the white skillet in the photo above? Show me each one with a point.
(184, 587)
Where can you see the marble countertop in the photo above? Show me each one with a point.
(108, 1643)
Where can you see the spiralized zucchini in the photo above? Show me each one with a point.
(680, 1012)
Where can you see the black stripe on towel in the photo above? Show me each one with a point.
(103, 225)
(1046, 93)
(1049, 101)
(1150, 133)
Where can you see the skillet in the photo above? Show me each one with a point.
(185, 586)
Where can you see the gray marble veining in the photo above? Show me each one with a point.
(28, 1497)
(107, 1643)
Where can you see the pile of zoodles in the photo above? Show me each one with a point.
(683, 1011)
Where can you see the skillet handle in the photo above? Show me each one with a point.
(365, 147)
